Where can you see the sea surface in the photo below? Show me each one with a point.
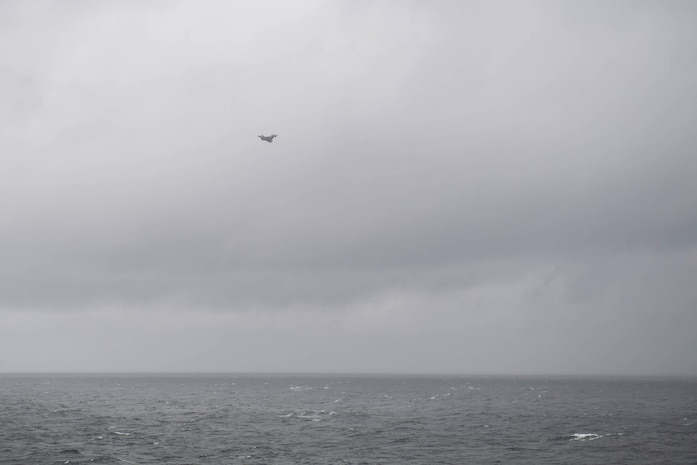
(282, 419)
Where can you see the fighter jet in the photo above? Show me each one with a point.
(267, 138)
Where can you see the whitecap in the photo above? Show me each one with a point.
(585, 436)
(300, 388)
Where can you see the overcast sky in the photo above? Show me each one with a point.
(482, 187)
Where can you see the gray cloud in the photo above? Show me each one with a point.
(509, 184)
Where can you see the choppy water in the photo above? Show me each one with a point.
(236, 419)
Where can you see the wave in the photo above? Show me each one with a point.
(313, 415)
(585, 437)
(300, 388)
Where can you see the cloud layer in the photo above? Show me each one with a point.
(476, 187)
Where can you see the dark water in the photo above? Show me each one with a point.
(236, 419)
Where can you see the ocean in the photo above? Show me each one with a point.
(345, 419)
